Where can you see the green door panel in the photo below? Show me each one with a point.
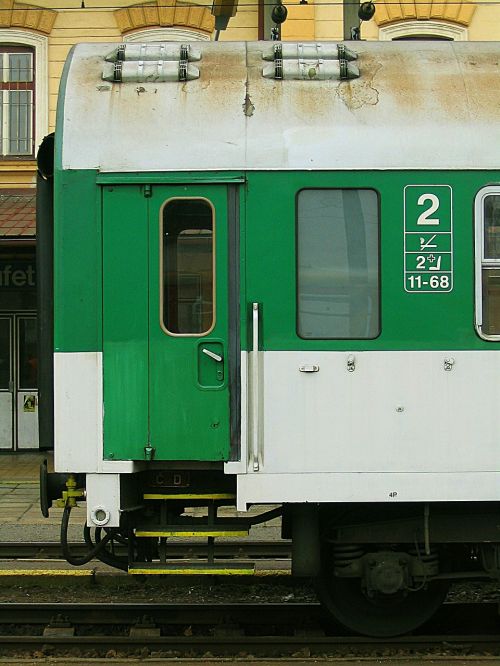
(189, 404)
(166, 390)
(125, 322)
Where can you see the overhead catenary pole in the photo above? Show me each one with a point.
(267, 22)
(350, 18)
(266, 9)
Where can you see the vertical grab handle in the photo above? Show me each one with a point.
(255, 387)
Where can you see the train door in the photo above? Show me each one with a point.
(166, 323)
(26, 383)
(18, 382)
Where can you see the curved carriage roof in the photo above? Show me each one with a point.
(415, 105)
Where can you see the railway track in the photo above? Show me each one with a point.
(186, 549)
(263, 629)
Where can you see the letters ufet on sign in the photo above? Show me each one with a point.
(428, 238)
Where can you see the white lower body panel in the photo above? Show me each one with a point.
(401, 426)
(367, 487)
(78, 416)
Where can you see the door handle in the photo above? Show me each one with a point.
(255, 379)
(216, 357)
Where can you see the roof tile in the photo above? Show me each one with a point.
(17, 214)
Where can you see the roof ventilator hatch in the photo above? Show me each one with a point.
(151, 63)
(319, 62)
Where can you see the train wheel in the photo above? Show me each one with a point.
(383, 615)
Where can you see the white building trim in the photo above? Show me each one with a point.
(166, 35)
(40, 45)
(427, 28)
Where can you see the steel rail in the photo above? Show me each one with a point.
(260, 629)
(183, 549)
(259, 646)
(118, 613)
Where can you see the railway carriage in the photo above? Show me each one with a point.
(277, 282)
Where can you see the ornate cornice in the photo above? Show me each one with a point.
(26, 17)
(389, 11)
(165, 14)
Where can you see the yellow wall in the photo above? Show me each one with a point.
(103, 20)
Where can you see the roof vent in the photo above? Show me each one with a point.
(151, 63)
(154, 51)
(321, 62)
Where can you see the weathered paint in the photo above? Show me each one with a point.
(408, 103)
(314, 443)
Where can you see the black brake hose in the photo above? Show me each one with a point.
(78, 561)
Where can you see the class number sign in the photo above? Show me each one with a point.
(428, 238)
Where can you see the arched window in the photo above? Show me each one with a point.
(166, 35)
(428, 29)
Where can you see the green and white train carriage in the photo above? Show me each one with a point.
(277, 281)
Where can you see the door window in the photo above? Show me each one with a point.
(188, 267)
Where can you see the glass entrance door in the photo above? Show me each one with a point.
(18, 382)
(26, 383)
(6, 383)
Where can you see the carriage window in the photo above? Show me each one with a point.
(188, 267)
(488, 262)
(338, 264)
(492, 227)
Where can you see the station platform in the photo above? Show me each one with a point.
(20, 515)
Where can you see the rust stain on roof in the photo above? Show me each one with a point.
(18, 214)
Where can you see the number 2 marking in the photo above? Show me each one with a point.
(423, 218)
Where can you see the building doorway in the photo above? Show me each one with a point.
(18, 382)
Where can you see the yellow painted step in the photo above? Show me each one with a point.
(189, 496)
(193, 532)
(192, 569)
(47, 573)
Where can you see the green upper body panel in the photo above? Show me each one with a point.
(409, 320)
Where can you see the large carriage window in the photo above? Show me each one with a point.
(338, 264)
(188, 267)
(489, 263)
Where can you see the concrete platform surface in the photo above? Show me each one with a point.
(20, 515)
